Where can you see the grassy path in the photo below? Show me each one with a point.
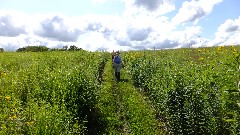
(123, 108)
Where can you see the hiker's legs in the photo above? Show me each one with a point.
(117, 68)
(118, 75)
(118, 71)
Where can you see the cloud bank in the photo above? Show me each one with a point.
(194, 10)
(143, 25)
(7, 27)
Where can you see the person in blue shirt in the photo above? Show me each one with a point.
(117, 61)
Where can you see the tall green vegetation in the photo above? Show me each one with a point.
(194, 91)
(49, 93)
(181, 91)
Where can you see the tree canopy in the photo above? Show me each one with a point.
(1, 50)
(33, 49)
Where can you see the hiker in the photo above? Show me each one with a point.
(117, 65)
(113, 55)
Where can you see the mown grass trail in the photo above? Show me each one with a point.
(123, 107)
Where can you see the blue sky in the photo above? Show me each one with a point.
(228, 9)
(68, 7)
(119, 24)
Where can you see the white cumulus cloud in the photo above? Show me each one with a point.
(192, 11)
(148, 7)
(227, 33)
(55, 28)
(9, 25)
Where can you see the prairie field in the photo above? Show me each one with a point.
(175, 91)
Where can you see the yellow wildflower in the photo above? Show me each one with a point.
(201, 58)
(30, 123)
(8, 98)
(234, 50)
(220, 48)
(199, 50)
(13, 117)
(3, 74)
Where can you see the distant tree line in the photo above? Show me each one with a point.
(65, 48)
(33, 49)
(74, 48)
(1, 50)
(45, 49)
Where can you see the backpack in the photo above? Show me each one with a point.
(117, 60)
